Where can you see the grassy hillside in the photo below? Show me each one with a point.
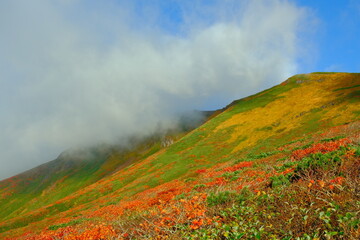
(288, 154)
(75, 169)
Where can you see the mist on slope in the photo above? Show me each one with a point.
(76, 73)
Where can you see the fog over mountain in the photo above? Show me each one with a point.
(76, 73)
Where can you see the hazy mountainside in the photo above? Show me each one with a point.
(66, 174)
(75, 169)
(262, 150)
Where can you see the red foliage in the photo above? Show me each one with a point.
(217, 182)
(238, 166)
(98, 231)
(201, 171)
(320, 148)
(337, 180)
(190, 211)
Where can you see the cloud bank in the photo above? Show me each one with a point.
(74, 73)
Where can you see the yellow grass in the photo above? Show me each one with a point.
(288, 113)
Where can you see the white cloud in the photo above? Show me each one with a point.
(75, 73)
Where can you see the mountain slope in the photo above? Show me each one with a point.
(244, 147)
(75, 169)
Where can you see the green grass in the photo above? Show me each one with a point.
(344, 88)
(324, 72)
(71, 223)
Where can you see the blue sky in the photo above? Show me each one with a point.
(337, 36)
(76, 73)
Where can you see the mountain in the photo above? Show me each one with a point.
(289, 154)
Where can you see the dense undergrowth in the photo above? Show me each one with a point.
(318, 199)
(282, 164)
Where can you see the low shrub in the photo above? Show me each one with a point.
(215, 199)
